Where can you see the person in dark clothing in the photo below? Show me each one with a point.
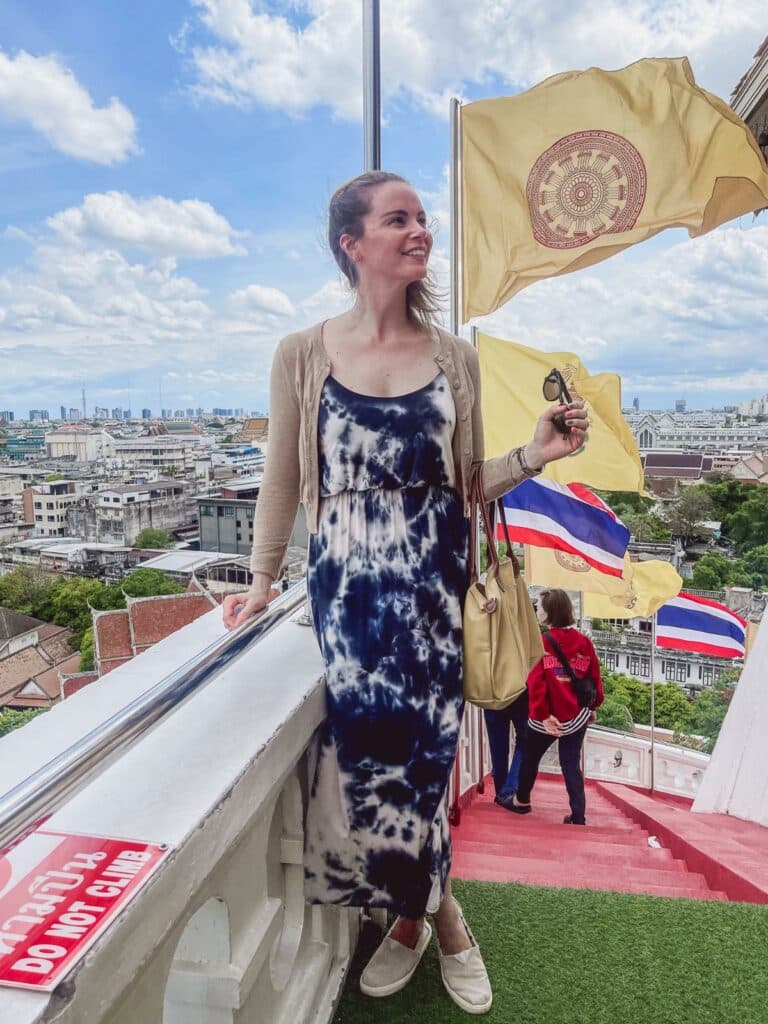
(497, 723)
(555, 711)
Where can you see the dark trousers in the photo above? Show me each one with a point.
(569, 749)
(505, 775)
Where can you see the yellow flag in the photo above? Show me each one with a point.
(512, 378)
(644, 588)
(590, 162)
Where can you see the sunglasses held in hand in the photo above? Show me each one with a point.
(556, 390)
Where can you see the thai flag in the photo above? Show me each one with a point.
(567, 517)
(688, 623)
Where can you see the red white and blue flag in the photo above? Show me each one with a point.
(567, 517)
(688, 623)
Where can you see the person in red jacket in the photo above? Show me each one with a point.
(556, 712)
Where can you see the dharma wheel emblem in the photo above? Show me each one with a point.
(586, 185)
(574, 563)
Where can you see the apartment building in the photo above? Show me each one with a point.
(117, 515)
(47, 504)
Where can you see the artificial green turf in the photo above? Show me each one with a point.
(563, 956)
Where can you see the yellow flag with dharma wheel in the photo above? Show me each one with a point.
(590, 162)
(640, 591)
(512, 378)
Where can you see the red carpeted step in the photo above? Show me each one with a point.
(524, 868)
(601, 851)
(610, 853)
(547, 832)
(626, 882)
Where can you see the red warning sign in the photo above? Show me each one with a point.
(58, 893)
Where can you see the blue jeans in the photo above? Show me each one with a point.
(506, 775)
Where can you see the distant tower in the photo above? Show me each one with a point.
(85, 411)
(636, 404)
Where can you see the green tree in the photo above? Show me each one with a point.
(633, 693)
(748, 526)
(27, 591)
(712, 572)
(673, 709)
(71, 604)
(708, 713)
(755, 567)
(10, 719)
(149, 583)
(691, 508)
(87, 663)
(149, 538)
(645, 526)
(614, 714)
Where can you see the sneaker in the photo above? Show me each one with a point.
(465, 977)
(392, 965)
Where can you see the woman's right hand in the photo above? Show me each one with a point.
(238, 608)
(553, 726)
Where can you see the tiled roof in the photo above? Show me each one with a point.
(153, 619)
(49, 683)
(57, 647)
(71, 683)
(18, 669)
(111, 637)
(13, 624)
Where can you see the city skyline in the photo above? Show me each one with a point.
(163, 229)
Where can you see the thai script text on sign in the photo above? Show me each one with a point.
(58, 892)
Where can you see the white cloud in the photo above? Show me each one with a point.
(43, 93)
(431, 51)
(190, 228)
(257, 298)
(693, 316)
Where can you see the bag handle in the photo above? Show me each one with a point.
(510, 553)
(477, 501)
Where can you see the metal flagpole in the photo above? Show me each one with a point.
(653, 701)
(455, 115)
(456, 216)
(371, 85)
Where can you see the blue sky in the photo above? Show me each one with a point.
(165, 170)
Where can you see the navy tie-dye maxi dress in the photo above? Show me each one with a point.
(387, 578)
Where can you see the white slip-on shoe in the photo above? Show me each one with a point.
(392, 965)
(465, 977)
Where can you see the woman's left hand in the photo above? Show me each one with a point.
(548, 443)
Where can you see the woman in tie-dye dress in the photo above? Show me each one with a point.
(375, 426)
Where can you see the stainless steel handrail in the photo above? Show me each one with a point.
(46, 789)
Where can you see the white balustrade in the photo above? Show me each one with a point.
(221, 933)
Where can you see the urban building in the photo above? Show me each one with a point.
(255, 430)
(163, 455)
(750, 97)
(26, 446)
(75, 414)
(81, 444)
(226, 520)
(6, 416)
(46, 505)
(707, 432)
(117, 515)
(680, 405)
(38, 415)
(146, 414)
